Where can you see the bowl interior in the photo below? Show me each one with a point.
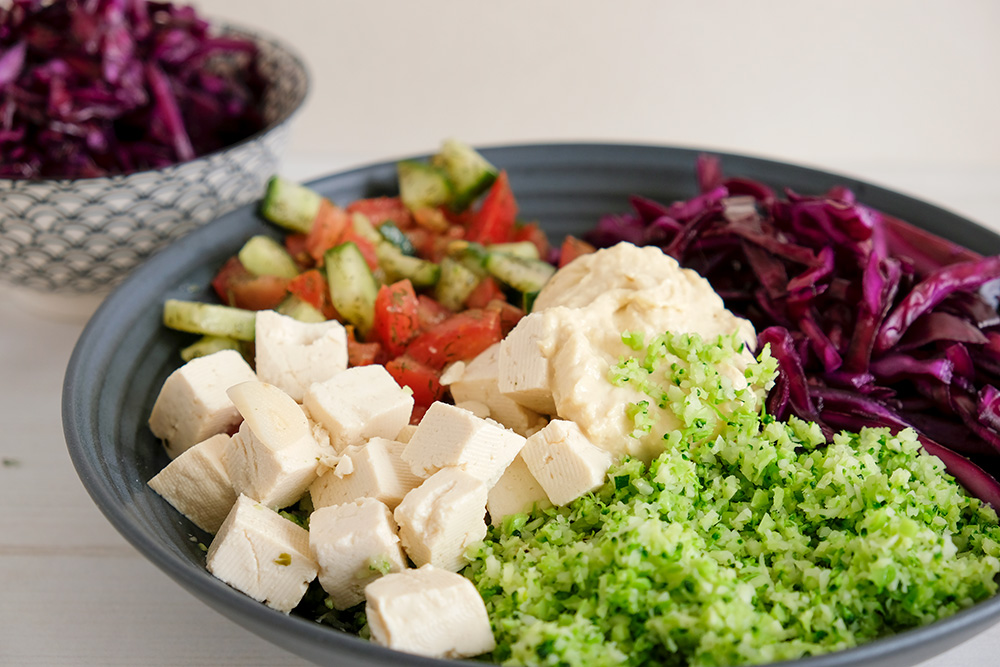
(124, 355)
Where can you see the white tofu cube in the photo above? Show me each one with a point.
(429, 612)
(565, 462)
(406, 433)
(517, 491)
(262, 554)
(197, 485)
(524, 373)
(452, 372)
(192, 404)
(479, 381)
(480, 410)
(274, 457)
(354, 544)
(359, 404)
(449, 436)
(292, 355)
(372, 470)
(441, 517)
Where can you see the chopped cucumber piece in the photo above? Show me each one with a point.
(207, 345)
(263, 256)
(470, 173)
(422, 185)
(521, 273)
(298, 309)
(290, 205)
(364, 228)
(471, 255)
(455, 284)
(525, 249)
(397, 266)
(394, 235)
(353, 288)
(209, 319)
(528, 301)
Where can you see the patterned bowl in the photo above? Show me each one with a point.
(72, 240)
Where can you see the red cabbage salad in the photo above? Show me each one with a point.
(101, 87)
(873, 321)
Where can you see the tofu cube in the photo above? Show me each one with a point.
(517, 491)
(354, 544)
(441, 517)
(523, 369)
(359, 404)
(449, 436)
(262, 554)
(197, 485)
(429, 612)
(479, 381)
(274, 457)
(373, 470)
(565, 462)
(480, 410)
(292, 355)
(406, 433)
(192, 404)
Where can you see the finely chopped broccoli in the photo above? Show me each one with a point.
(749, 540)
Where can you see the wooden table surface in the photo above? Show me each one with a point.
(73, 592)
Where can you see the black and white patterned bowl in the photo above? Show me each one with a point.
(65, 239)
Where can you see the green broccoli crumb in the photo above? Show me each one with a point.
(748, 540)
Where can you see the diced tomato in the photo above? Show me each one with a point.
(510, 315)
(463, 218)
(362, 354)
(396, 322)
(239, 288)
(383, 209)
(460, 337)
(422, 240)
(418, 413)
(572, 248)
(312, 287)
(487, 290)
(494, 221)
(430, 313)
(532, 232)
(297, 247)
(232, 270)
(422, 379)
(328, 229)
(431, 245)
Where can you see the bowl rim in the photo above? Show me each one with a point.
(217, 27)
(245, 611)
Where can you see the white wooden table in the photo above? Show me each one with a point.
(73, 592)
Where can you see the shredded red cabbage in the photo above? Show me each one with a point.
(874, 322)
(99, 87)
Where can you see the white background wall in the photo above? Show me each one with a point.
(859, 86)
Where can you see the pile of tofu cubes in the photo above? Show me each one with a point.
(387, 495)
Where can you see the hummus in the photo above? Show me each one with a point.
(587, 306)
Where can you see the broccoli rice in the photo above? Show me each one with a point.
(748, 540)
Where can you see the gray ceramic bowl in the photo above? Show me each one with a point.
(74, 237)
(125, 354)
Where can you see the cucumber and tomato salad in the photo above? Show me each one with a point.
(433, 276)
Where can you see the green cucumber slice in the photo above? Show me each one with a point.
(290, 205)
(263, 256)
(209, 319)
(422, 185)
(470, 173)
(353, 287)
